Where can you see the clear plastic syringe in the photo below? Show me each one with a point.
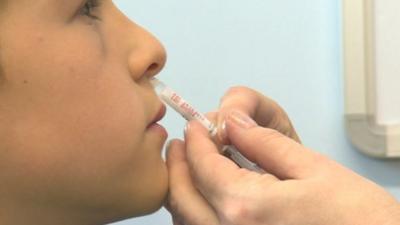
(175, 101)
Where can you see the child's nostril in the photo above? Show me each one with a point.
(153, 67)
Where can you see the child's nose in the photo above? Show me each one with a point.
(148, 58)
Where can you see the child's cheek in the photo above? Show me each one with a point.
(74, 100)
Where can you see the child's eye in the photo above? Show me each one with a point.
(89, 7)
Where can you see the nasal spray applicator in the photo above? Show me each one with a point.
(175, 101)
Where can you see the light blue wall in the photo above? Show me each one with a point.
(289, 50)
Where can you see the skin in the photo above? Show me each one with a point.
(299, 187)
(75, 110)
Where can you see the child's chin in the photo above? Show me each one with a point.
(142, 195)
(137, 208)
(154, 207)
(151, 205)
(153, 198)
(154, 204)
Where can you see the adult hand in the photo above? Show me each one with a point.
(299, 186)
(182, 190)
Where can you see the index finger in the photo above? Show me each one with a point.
(263, 110)
(208, 167)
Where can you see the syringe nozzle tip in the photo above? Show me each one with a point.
(157, 85)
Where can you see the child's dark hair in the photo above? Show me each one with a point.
(3, 4)
(1, 61)
(2, 7)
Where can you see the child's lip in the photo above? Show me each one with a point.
(159, 115)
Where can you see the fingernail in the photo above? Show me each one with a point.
(241, 119)
(167, 149)
(186, 128)
(168, 144)
(222, 131)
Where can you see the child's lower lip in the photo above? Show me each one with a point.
(155, 127)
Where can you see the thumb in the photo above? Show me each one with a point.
(271, 150)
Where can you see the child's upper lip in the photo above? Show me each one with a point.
(160, 114)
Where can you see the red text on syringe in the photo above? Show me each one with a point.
(184, 106)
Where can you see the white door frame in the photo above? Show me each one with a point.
(366, 134)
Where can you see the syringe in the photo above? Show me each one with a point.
(175, 101)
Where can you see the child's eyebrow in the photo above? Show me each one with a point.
(3, 3)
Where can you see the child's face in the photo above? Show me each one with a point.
(75, 110)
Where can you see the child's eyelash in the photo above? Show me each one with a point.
(88, 8)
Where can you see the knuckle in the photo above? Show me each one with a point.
(282, 124)
(324, 164)
(241, 207)
(238, 90)
(235, 213)
(283, 150)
